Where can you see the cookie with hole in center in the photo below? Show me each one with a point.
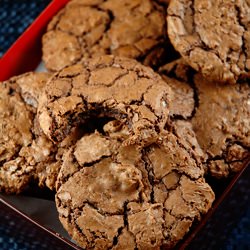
(106, 86)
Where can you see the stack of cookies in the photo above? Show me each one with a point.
(142, 100)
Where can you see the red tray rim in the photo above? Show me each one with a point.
(10, 62)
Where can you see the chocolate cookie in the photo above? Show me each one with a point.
(84, 29)
(25, 152)
(17, 111)
(212, 36)
(116, 196)
(220, 119)
(106, 86)
(222, 125)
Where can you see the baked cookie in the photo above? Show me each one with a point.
(17, 112)
(130, 196)
(212, 36)
(84, 29)
(222, 125)
(25, 152)
(219, 118)
(106, 86)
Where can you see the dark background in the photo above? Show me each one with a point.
(228, 229)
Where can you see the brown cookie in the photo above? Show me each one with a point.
(222, 125)
(106, 86)
(130, 196)
(212, 36)
(17, 112)
(25, 152)
(220, 119)
(84, 29)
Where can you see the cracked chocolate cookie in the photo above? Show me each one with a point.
(25, 152)
(105, 86)
(222, 125)
(212, 36)
(130, 196)
(84, 29)
(18, 99)
(178, 75)
(220, 118)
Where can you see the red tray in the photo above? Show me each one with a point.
(25, 55)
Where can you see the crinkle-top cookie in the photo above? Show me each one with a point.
(222, 125)
(212, 36)
(26, 154)
(84, 29)
(116, 196)
(219, 118)
(18, 102)
(106, 86)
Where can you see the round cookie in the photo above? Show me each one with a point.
(25, 152)
(222, 125)
(84, 29)
(116, 196)
(219, 120)
(105, 86)
(212, 36)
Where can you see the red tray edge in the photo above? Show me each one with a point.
(25, 54)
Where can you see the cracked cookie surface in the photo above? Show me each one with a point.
(222, 125)
(219, 120)
(105, 86)
(25, 152)
(18, 100)
(212, 36)
(130, 196)
(84, 29)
